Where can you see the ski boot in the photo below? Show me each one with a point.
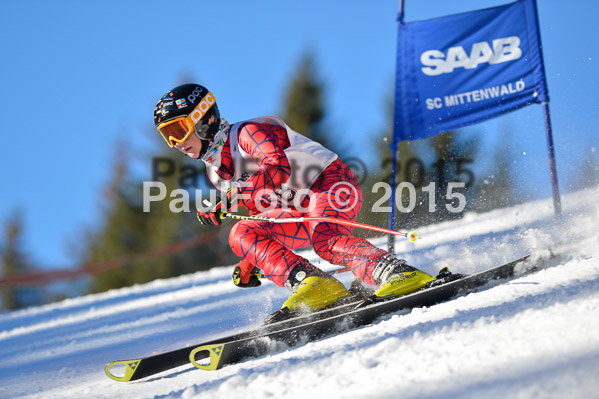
(395, 278)
(312, 290)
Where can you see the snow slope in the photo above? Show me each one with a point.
(537, 336)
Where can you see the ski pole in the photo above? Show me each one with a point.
(413, 236)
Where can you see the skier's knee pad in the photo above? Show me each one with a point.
(325, 245)
(240, 232)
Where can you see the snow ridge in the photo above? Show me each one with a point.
(533, 337)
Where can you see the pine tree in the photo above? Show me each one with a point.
(586, 170)
(498, 186)
(15, 261)
(127, 232)
(432, 162)
(454, 162)
(375, 209)
(304, 108)
(121, 231)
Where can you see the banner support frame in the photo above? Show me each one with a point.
(394, 157)
(557, 203)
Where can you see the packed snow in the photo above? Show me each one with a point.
(536, 336)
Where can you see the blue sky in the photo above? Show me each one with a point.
(77, 75)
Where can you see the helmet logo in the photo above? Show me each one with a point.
(181, 103)
(194, 94)
(161, 108)
(203, 107)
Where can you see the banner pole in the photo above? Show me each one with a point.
(391, 238)
(394, 155)
(557, 202)
(401, 12)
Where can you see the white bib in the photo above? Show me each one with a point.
(307, 158)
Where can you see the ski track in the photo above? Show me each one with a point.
(535, 336)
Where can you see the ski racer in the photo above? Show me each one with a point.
(273, 171)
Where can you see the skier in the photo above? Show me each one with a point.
(273, 171)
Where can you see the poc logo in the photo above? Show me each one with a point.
(202, 107)
(504, 50)
(194, 94)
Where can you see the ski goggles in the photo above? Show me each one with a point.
(179, 129)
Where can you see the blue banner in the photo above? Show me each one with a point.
(464, 69)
